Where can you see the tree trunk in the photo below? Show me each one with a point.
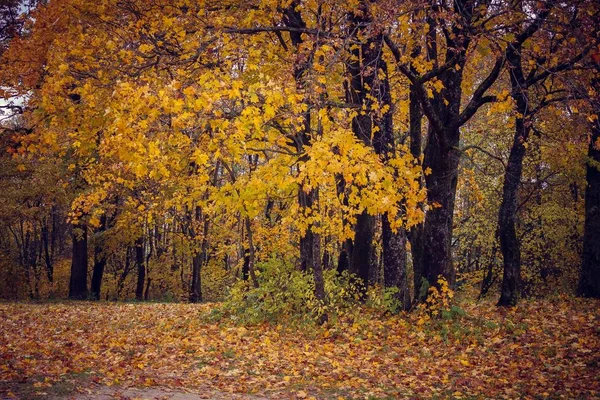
(147, 291)
(344, 257)
(195, 287)
(507, 217)
(79, 263)
(246, 265)
(310, 256)
(141, 268)
(589, 281)
(394, 262)
(415, 235)
(99, 260)
(47, 256)
(307, 240)
(509, 243)
(318, 277)
(197, 260)
(443, 160)
(362, 249)
(366, 87)
(310, 242)
(251, 252)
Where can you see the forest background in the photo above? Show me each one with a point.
(382, 174)
(167, 150)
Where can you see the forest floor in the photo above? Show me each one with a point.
(546, 348)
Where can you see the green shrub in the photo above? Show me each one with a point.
(286, 294)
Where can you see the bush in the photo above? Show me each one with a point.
(286, 294)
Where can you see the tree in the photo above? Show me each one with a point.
(589, 281)
(449, 33)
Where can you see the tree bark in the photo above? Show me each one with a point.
(317, 269)
(79, 263)
(307, 240)
(509, 243)
(197, 260)
(362, 248)
(394, 262)
(251, 252)
(99, 260)
(195, 287)
(507, 217)
(310, 242)
(141, 268)
(365, 86)
(589, 281)
(442, 160)
(47, 256)
(415, 235)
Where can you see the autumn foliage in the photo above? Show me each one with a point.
(295, 161)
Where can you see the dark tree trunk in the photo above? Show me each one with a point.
(246, 265)
(197, 261)
(366, 86)
(307, 240)
(507, 217)
(79, 263)
(251, 252)
(293, 18)
(147, 291)
(345, 256)
(141, 268)
(363, 249)
(47, 256)
(441, 157)
(445, 116)
(195, 287)
(443, 161)
(310, 242)
(589, 281)
(343, 262)
(509, 243)
(317, 269)
(394, 262)
(99, 260)
(416, 232)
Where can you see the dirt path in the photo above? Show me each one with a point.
(96, 392)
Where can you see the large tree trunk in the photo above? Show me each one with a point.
(364, 87)
(200, 260)
(589, 281)
(507, 217)
(445, 116)
(307, 240)
(141, 268)
(251, 252)
(47, 253)
(79, 263)
(441, 155)
(363, 249)
(310, 242)
(197, 261)
(443, 161)
(509, 243)
(99, 260)
(317, 269)
(195, 287)
(415, 235)
(394, 262)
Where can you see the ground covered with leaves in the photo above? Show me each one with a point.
(541, 349)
